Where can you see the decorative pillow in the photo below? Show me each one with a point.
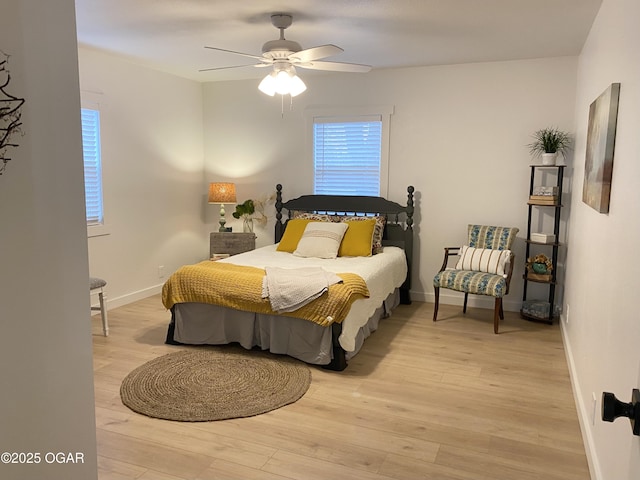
(321, 240)
(358, 238)
(483, 260)
(318, 217)
(292, 234)
(377, 232)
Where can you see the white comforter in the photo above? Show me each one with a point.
(383, 273)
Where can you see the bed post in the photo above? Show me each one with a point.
(339, 360)
(405, 297)
(279, 231)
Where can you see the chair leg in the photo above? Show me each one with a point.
(496, 314)
(501, 311)
(435, 308)
(103, 313)
(464, 306)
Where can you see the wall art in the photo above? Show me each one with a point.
(601, 136)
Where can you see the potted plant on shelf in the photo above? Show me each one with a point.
(548, 143)
(539, 268)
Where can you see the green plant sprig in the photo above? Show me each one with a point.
(244, 209)
(550, 140)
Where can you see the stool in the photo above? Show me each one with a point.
(96, 283)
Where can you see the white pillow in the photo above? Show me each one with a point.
(483, 260)
(321, 240)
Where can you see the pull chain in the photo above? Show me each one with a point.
(282, 105)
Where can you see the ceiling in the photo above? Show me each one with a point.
(170, 35)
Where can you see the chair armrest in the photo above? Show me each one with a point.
(510, 272)
(447, 252)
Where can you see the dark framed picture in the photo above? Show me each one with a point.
(601, 136)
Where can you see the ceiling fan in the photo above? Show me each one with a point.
(284, 55)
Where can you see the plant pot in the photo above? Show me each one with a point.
(539, 268)
(549, 158)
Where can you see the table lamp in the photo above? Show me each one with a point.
(220, 192)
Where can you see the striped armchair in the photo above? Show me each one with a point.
(484, 267)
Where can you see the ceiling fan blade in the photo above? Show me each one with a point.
(315, 53)
(336, 67)
(232, 66)
(235, 53)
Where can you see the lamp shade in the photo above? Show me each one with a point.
(297, 86)
(268, 85)
(220, 192)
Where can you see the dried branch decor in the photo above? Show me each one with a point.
(10, 113)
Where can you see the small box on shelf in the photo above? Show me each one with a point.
(542, 237)
(536, 309)
(545, 190)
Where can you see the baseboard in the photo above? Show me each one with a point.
(583, 410)
(475, 301)
(129, 297)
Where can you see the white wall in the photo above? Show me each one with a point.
(46, 397)
(603, 331)
(458, 135)
(154, 191)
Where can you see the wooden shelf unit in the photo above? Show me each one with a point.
(539, 247)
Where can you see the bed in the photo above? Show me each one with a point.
(324, 331)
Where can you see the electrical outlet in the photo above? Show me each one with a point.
(160, 271)
(594, 403)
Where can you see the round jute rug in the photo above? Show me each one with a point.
(214, 383)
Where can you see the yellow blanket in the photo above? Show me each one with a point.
(240, 287)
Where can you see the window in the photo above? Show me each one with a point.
(92, 166)
(350, 152)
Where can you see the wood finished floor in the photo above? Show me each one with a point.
(444, 401)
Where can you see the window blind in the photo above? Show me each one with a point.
(92, 166)
(347, 157)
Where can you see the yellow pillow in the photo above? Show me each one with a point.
(358, 239)
(292, 234)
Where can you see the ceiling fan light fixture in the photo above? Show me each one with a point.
(268, 84)
(297, 86)
(284, 82)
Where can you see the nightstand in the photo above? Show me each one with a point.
(231, 243)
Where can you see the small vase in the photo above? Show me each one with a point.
(247, 225)
(549, 158)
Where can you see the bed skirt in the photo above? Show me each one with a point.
(204, 324)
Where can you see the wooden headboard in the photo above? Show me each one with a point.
(398, 229)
